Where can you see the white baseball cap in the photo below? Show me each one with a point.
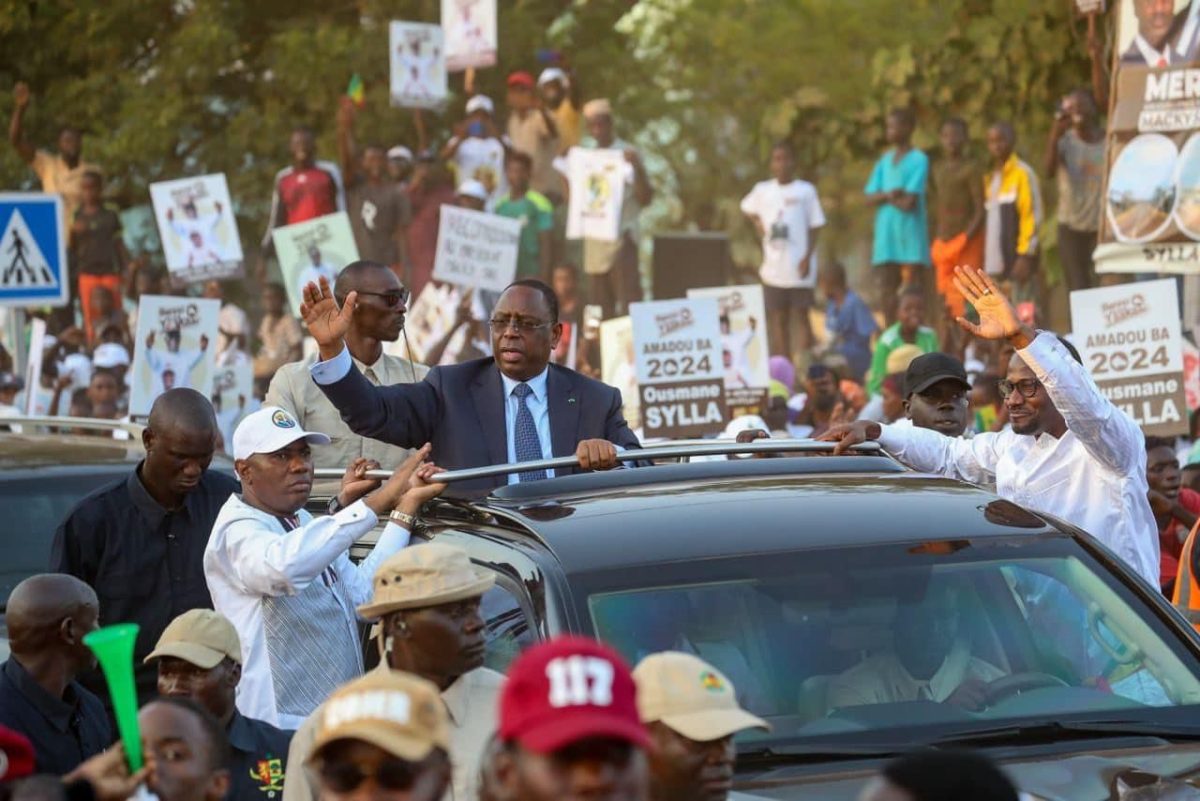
(480, 103)
(473, 188)
(110, 354)
(400, 152)
(268, 430)
(552, 74)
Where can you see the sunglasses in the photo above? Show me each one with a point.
(394, 298)
(1028, 387)
(390, 774)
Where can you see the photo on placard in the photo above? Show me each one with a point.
(1154, 33)
(233, 397)
(618, 364)
(312, 250)
(1141, 188)
(174, 346)
(197, 228)
(470, 30)
(1187, 188)
(743, 334)
(418, 65)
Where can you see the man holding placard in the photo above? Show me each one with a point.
(512, 407)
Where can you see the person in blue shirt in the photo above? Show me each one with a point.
(849, 324)
(897, 188)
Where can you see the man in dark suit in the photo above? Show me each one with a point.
(1158, 29)
(513, 407)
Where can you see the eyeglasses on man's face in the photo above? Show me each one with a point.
(519, 325)
(1028, 387)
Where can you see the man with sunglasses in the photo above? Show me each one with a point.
(1070, 451)
(512, 407)
(378, 317)
(385, 735)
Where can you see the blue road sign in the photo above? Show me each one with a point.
(33, 250)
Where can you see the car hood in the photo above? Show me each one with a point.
(1169, 772)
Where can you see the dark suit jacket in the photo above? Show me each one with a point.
(459, 409)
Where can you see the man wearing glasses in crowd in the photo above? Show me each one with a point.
(1070, 452)
(378, 317)
(513, 407)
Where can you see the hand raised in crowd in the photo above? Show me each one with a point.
(355, 483)
(21, 94)
(325, 320)
(596, 454)
(410, 486)
(997, 318)
(108, 774)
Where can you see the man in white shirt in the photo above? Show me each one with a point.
(316, 268)
(787, 215)
(173, 367)
(1070, 452)
(285, 580)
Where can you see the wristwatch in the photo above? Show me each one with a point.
(335, 505)
(403, 518)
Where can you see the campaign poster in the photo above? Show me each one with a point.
(618, 365)
(1191, 374)
(311, 249)
(197, 229)
(597, 187)
(175, 346)
(233, 397)
(33, 368)
(476, 249)
(418, 65)
(1131, 343)
(1150, 220)
(470, 30)
(681, 381)
(744, 353)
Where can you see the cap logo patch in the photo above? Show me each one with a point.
(389, 705)
(711, 682)
(281, 419)
(580, 681)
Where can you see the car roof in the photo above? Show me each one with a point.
(681, 512)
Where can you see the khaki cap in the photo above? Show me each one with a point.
(402, 714)
(199, 636)
(690, 697)
(899, 359)
(597, 108)
(425, 575)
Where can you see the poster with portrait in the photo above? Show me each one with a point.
(175, 346)
(312, 249)
(197, 228)
(597, 185)
(418, 65)
(618, 365)
(744, 353)
(470, 30)
(681, 380)
(233, 397)
(1150, 221)
(1131, 343)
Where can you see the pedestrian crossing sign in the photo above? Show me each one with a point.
(33, 250)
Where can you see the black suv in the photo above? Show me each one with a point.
(847, 598)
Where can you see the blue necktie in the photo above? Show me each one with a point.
(528, 446)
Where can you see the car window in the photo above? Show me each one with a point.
(32, 511)
(508, 629)
(870, 639)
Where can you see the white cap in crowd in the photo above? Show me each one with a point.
(552, 74)
(400, 152)
(473, 188)
(110, 354)
(268, 430)
(480, 103)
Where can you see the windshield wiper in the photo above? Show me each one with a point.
(1053, 730)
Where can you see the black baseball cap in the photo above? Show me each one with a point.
(930, 368)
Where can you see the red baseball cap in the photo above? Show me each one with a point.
(521, 78)
(568, 689)
(16, 755)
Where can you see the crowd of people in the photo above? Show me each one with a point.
(250, 671)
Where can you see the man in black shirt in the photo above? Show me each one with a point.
(140, 542)
(199, 657)
(47, 616)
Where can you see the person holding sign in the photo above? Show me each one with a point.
(1070, 451)
(512, 407)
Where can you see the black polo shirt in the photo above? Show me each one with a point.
(145, 563)
(259, 759)
(64, 731)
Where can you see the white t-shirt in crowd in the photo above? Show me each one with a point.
(483, 160)
(787, 212)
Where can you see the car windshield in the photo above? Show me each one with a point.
(908, 642)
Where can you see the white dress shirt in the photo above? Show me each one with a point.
(250, 558)
(1093, 477)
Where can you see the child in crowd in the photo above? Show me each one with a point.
(909, 328)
